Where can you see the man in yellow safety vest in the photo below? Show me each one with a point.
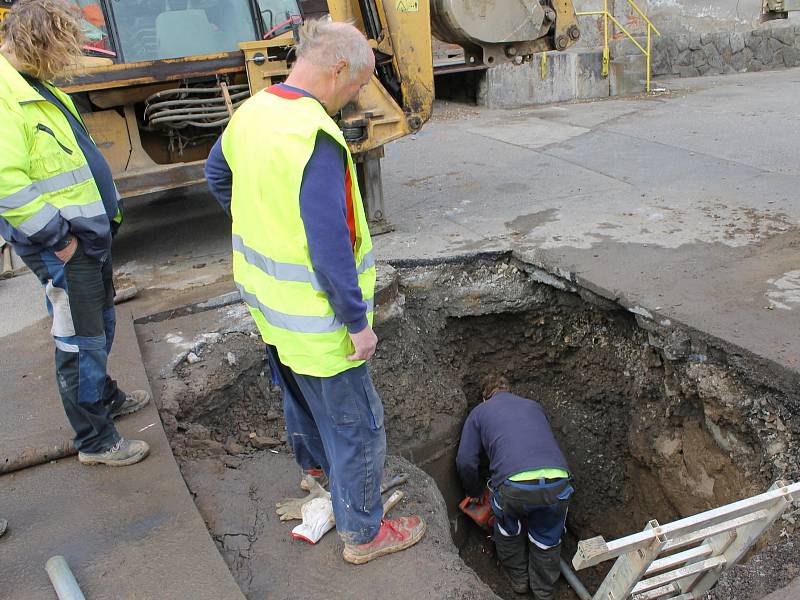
(303, 263)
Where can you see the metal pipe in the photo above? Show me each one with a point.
(574, 582)
(32, 456)
(63, 580)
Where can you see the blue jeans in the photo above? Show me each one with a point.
(80, 300)
(337, 423)
(542, 506)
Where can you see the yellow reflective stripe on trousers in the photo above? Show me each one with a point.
(284, 271)
(50, 184)
(296, 323)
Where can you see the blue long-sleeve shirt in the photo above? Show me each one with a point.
(94, 232)
(323, 210)
(514, 434)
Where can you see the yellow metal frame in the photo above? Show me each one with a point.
(608, 16)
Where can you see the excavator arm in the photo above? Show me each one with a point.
(399, 99)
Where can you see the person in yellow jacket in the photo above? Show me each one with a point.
(59, 208)
(303, 262)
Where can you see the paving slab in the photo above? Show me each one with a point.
(682, 204)
(130, 532)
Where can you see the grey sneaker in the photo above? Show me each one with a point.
(134, 401)
(123, 453)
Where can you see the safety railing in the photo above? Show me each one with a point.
(607, 16)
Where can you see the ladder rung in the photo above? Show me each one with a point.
(660, 592)
(701, 534)
(662, 564)
(693, 569)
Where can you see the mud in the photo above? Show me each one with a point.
(658, 422)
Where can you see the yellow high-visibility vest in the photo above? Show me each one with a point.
(267, 144)
(43, 172)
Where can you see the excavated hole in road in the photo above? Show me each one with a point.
(657, 422)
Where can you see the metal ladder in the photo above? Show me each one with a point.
(684, 559)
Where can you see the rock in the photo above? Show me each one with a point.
(713, 56)
(694, 41)
(791, 57)
(273, 415)
(198, 431)
(660, 63)
(231, 358)
(234, 447)
(262, 442)
(706, 38)
(785, 35)
(169, 422)
(764, 54)
(682, 42)
(752, 41)
(684, 58)
(232, 462)
(169, 405)
(192, 358)
(211, 447)
(722, 42)
(699, 59)
(736, 42)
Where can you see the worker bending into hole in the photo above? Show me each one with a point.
(529, 486)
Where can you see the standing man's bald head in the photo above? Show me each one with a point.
(334, 61)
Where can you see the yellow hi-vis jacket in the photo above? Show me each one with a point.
(44, 176)
(267, 145)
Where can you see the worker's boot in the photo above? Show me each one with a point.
(135, 400)
(544, 567)
(512, 552)
(394, 535)
(317, 474)
(123, 453)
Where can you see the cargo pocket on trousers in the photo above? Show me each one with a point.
(375, 404)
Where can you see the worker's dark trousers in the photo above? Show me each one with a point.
(542, 507)
(80, 299)
(337, 423)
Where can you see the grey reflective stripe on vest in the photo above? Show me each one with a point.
(367, 262)
(38, 221)
(279, 270)
(50, 184)
(87, 211)
(296, 323)
(288, 271)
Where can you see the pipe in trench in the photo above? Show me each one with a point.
(574, 582)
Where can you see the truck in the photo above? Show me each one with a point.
(161, 78)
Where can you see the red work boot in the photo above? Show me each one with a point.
(395, 535)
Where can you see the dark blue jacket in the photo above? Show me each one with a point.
(514, 434)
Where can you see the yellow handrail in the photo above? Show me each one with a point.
(608, 16)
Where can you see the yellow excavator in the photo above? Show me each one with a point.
(163, 77)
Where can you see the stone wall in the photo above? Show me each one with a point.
(715, 53)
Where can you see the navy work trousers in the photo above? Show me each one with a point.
(80, 299)
(337, 423)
